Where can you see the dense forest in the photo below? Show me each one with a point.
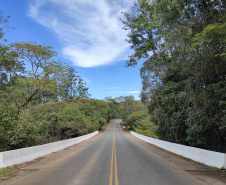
(182, 47)
(183, 100)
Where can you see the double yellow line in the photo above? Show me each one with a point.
(113, 158)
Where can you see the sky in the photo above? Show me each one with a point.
(87, 35)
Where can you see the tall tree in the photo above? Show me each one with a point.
(183, 75)
(39, 78)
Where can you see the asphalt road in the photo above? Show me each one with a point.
(112, 159)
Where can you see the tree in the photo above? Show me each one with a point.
(21, 90)
(9, 66)
(113, 108)
(10, 69)
(39, 78)
(47, 78)
(183, 75)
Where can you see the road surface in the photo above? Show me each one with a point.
(112, 158)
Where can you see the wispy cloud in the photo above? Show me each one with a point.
(90, 31)
(126, 92)
(112, 88)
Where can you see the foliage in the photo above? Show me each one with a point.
(140, 123)
(113, 108)
(133, 113)
(121, 107)
(183, 75)
(53, 121)
(43, 81)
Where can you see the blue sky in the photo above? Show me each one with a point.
(87, 34)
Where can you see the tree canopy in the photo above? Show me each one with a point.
(30, 78)
(182, 44)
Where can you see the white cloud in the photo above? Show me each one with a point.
(90, 31)
(112, 88)
(126, 92)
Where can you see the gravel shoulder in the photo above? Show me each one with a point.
(56, 158)
(204, 174)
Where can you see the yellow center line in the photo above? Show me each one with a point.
(116, 173)
(111, 172)
(113, 158)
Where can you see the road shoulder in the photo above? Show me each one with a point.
(204, 174)
(54, 158)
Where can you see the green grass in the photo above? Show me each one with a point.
(148, 133)
(6, 173)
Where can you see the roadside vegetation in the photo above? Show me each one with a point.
(183, 99)
(134, 113)
(42, 100)
(9, 172)
(182, 44)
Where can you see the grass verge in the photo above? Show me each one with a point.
(6, 173)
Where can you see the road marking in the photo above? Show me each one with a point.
(113, 158)
(111, 172)
(116, 172)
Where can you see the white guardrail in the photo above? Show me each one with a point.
(209, 158)
(23, 155)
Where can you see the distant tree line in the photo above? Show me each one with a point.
(133, 112)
